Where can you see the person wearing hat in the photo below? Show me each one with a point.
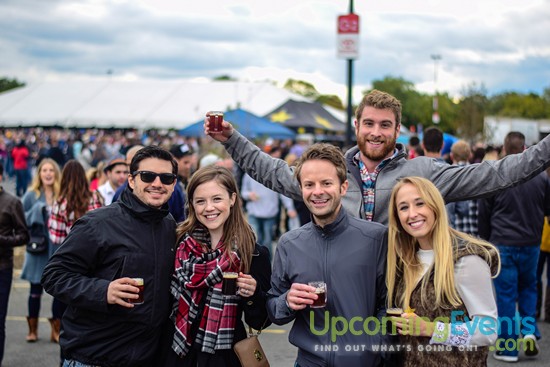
(117, 173)
(209, 160)
(186, 158)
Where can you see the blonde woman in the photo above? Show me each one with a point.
(440, 277)
(37, 203)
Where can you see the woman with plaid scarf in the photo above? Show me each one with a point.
(215, 239)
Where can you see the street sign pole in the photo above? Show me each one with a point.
(348, 48)
(350, 106)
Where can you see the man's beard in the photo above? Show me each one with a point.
(379, 154)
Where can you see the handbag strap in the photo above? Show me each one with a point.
(251, 331)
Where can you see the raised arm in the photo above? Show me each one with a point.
(490, 177)
(273, 173)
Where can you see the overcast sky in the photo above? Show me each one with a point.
(504, 44)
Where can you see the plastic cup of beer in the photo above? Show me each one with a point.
(229, 285)
(321, 292)
(215, 119)
(392, 312)
(141, 286)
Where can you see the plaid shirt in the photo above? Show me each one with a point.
(60, 222)
(369, 183)
(463, 214)
(465, 217)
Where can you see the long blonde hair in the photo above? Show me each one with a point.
(36, 185)
(403, 263)
(236, 230)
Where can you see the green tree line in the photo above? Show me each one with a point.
(462, 117)
(7, 84)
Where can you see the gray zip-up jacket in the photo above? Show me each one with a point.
(349, 255)
(454, 182)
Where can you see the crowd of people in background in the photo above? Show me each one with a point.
(105, 156)
(230, 204)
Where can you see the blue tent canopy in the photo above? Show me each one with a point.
(448, 141)
(247, 124)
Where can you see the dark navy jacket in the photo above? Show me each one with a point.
(515, 217)
(124, 239)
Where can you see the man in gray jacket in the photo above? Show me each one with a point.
(347, 254)
(377, 162)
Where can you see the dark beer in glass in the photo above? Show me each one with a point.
(229, 285)
(215, 119)
(321, 292)
(141, 286)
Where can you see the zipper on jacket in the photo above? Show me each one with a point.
(326, 248)
(156, 271)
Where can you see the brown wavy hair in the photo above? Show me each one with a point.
(75, 189)
(381, 101)
(237, 233)
(323, 151)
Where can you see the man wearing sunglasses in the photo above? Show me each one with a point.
(176, 203)
(95, 268)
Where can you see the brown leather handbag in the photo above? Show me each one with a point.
(250, 351)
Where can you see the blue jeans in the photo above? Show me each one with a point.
(517, 284)
(544, 258)
(6, 276)
(21, 181)
(264, 230)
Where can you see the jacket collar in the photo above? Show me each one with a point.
(339, 224)
(353, 167)
(141, 210)
(351, 152)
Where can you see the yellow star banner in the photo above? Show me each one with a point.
(280, 116)
(323, 122)
(308, 115)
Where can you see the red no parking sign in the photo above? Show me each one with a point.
(348, 36)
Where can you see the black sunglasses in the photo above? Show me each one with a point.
(148, 177)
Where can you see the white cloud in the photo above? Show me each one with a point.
(502, 44)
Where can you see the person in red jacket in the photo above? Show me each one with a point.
(20, 155)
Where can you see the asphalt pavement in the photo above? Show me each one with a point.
(44, 353)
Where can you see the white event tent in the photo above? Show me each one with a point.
(144, 104)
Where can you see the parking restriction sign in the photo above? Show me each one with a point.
(348, 36)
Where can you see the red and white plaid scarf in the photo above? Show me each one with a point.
(199, 274)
